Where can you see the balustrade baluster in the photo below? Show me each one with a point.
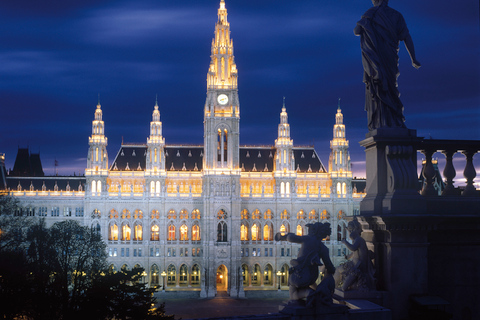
(428, 174)
(469, 173)
(449, 173)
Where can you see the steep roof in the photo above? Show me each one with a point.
(132, 157)
(27, 165)
(49, 183)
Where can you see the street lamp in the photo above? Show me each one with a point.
(164, 274)
(279, 273)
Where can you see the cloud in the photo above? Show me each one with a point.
(128, 26)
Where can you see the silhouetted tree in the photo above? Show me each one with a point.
(60, 273)
(125, 296)
(14, 273)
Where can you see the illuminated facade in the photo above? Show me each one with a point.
(203, 218)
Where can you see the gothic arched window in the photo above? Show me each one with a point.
(222, 232)
(324, 215)
(183, 214)
(126, 232)
(244, 214)
(171, 275)
(155, 233)
(196, 214)
(255, 230)
(268, 215)
(154, 275)
(195, 277)
(299, 230)
(195, 232)
(183, 232)
(300, 215)
(284, 215)
(138, 232)
(268, 232)
(244, 232)
(183, 281)
(171, 232)
(113, 232)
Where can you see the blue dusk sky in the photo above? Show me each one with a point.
(56, 56)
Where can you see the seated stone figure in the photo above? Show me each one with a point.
(304, 271)
(357, 272)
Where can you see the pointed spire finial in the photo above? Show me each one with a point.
(98, 101)
(338, 107)
(156, 101)
(284, 108)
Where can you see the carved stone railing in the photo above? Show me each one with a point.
(449, 148)
(392, 180)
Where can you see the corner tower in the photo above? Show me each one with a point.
(339, 163)
(222, 112)
(97, 162)
(155, 172)
(284, 160)
(155, 162)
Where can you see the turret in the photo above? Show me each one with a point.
(155, 146)
(97, 161)
(284, 159)
(339, 165)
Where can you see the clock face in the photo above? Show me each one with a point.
(222, 99)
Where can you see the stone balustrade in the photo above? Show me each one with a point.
(428, 147)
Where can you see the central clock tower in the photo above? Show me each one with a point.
(222, 112)
(221, 172)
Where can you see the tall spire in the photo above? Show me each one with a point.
(222, 73)
(284, 162)
(155, 144)
(155, 124)
(97, 162)
(284, 119)
(222, 107)
(339, 127)
(339, 156)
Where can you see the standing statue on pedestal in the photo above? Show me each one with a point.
(357, 272)
(381, 29)
(304, 270)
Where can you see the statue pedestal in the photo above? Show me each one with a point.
(377, 297)
(302, 312)
(392, 181)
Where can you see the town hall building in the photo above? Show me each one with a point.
(201, 218)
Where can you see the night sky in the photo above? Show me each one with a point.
(56, 56)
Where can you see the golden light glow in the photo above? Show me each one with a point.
(114, 232)
(138, 232)
(126, 231)
(254, 232)
(222, 73)
(299, 230)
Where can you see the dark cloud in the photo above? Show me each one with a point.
(57, 56)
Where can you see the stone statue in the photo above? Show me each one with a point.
(381, 29)
(304, 269)
(357, 272)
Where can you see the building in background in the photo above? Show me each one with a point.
(202, 218)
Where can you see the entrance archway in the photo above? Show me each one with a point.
(222, 278)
